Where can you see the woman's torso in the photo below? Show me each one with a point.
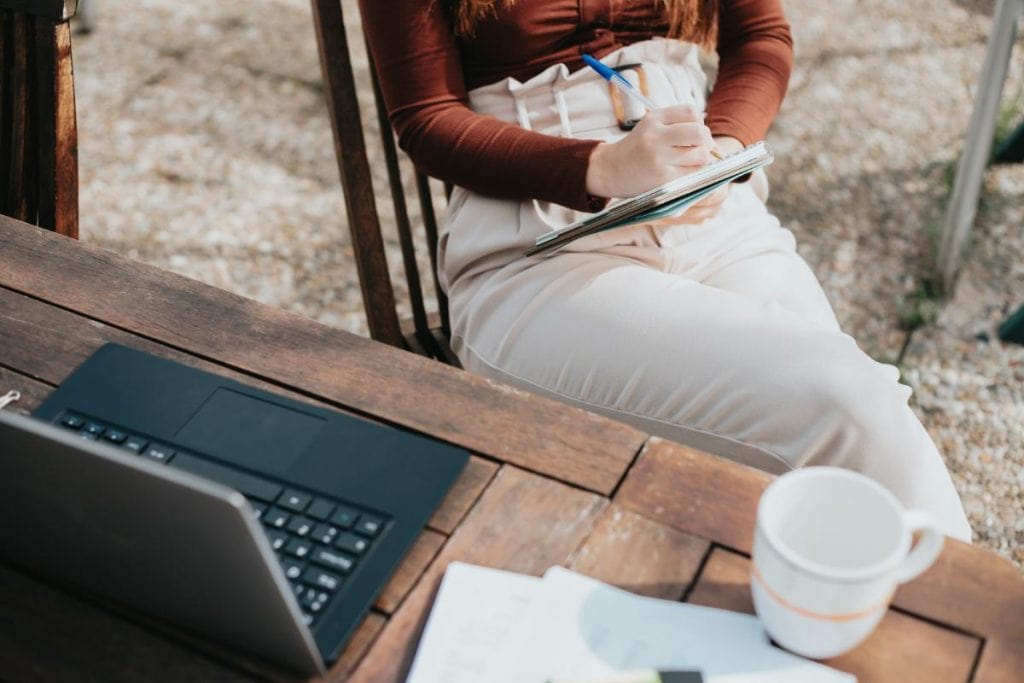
(531, 35)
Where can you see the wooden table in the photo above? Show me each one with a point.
(549, 484)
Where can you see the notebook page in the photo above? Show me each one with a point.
(474, 611)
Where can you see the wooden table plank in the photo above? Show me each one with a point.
(357, 647)
(968, 588)
(48, 343)
(639, 555)
(32, 390)
(482, 415)
(701, 494)
(902, 649)
(464, 493)
(48, 635)
(523, 523)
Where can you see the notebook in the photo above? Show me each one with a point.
(670, 199)
(492, 626)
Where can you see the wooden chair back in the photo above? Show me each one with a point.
(38, 131)
(428, 331)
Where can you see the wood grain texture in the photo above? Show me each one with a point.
(523, 523)
(33, 392)
(463, 494)
(416, 561)
(484, 416)
(57, 130)
(901, 649)
(640, 555)
(58, 637)
(695, 492)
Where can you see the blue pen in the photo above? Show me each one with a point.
(617, 79)
(620, 82)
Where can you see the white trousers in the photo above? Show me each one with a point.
(717, 336)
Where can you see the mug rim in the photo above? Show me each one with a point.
(785, 552)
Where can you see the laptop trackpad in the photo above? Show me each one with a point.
(250, 432)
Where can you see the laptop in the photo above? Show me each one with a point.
(258, 521)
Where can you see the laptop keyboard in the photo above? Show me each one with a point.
(319, 541)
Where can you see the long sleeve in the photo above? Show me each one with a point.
(424, 82)
(421, 78)
(755, 52)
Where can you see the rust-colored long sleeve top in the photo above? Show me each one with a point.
(425, 73)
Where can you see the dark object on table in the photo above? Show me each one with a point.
(1012, 329)
(122, 488)
(38, 130)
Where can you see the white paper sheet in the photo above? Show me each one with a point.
(473, 613)
(492, 626)
(580, 628)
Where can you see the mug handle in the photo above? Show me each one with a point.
(927, 549)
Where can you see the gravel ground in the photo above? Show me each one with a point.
(205, 149)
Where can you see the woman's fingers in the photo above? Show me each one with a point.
(698, 213)
(685, 135)
(693, 157)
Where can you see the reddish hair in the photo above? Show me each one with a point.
(695, 21)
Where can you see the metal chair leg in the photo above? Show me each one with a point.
(963, 205)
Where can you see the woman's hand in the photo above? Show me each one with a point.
(666, 144)
(712, 204)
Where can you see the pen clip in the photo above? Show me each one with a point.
(618, 105)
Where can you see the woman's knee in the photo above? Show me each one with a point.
(850, 409)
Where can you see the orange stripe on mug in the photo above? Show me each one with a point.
(846, 616)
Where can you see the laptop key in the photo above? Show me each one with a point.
(258, 508)
(323, 533)
(159, 453)
(250, 486)
(314, 600)
(296, 501)
(307, 619)
(344, 517)
(369, 525)
(321, 579)
(351, 543)
(297, 548)
(320, 509)
(134, 444)
(115, 436)
(293, 568)
(72, 422)
(300, 526)
(333, 560)
(276, 518)
(299, 589)
(94, 429)
(277, 538)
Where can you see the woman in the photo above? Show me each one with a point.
(707, 328)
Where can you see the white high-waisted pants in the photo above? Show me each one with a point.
(717, 335)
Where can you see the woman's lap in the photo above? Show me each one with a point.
(721, 341)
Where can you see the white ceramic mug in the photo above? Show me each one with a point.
(830, 548)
